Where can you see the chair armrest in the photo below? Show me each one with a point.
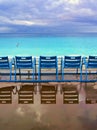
(62, 62)
(57, 62)
(84, 61)
(34, 62)
(11, 62)
(39, 62)
(81, 65)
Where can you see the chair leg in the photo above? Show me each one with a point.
(77, 70)
(39, 73)
(86, 74)
(77, 77)
(56, 74)
(10, 73)
(20, 74)
(80, 74)
(62, 73)
(33, 73)
(15, 74)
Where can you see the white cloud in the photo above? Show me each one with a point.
(8, 1)
(41, 22)
(47, 13)
(3, 1)
(4, 19)
(29, 22)
(54, 4)
(74, 2)
(79, 12)
(5, 29)
(85, 12)
(64, 17)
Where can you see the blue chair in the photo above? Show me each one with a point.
(6, 64)
(25, 62)
(90, 63)
(48, 62)
(72, 62)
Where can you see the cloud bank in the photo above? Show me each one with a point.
(40, 16)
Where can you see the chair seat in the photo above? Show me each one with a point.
(5, 63)
(46, 62)
(24, 62)
(72, 61)
(91, 63)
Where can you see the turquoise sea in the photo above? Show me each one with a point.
(36, 46)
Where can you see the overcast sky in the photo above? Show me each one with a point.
(55, 16)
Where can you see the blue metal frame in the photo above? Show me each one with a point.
(47, 81)
(71, 62)
(24, 62)
(48, 62)
(6, 64)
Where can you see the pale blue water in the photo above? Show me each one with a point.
(37, 46)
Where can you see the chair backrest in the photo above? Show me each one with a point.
(72, 61)
(4, 62)
(23, 61)
(92, 61)
(48, 62)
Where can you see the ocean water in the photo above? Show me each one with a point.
(36, 46)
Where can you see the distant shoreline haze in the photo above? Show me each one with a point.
(38, 34)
